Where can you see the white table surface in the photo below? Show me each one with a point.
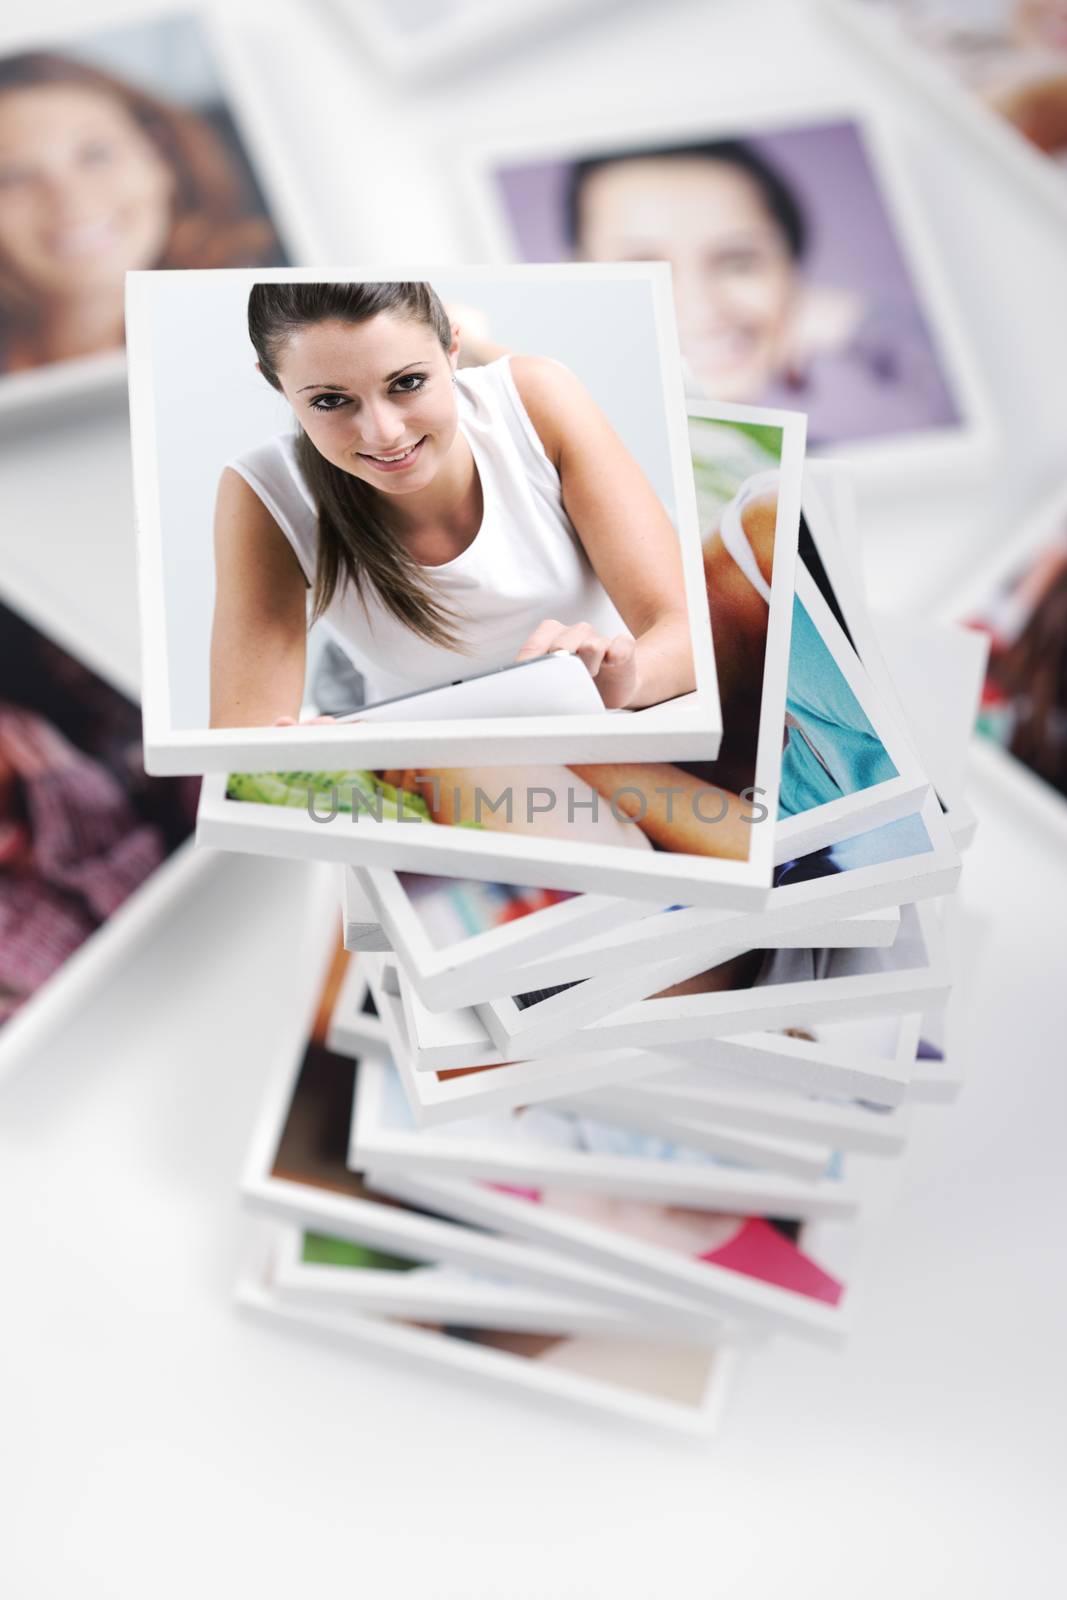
(152, 1443)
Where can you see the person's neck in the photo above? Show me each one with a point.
(83, 326)
(452, 502)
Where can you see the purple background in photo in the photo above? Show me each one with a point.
(894, 381)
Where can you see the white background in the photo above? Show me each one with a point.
(154, 1445)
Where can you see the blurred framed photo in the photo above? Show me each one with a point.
(310, 1270)
(93, 853)
(720, 1257)
(802, 272)
(442, 1096)
(459, 931)
(526, 1146)
(1018, 601)
(697, 1100)
(296, 1167)
(135, 147)
(998, 67)
(788, 988)
(645, 1377)
(430, 922)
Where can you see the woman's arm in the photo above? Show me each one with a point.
(258, 638)
(627, 536)
(676, 810)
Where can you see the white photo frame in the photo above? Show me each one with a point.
(683, 1104)
(991, 132)
(103, 951)
(912, 973)
(840, 1063)
(456, 34)
(903, 655)
(992, 593)
(765, 1306)
(912, 860)
(915, 650)
(217, 40)
(435, 1292)
(889, 1061)
(384, 1138)
(931, 451)
(163, 312)
(562, 863)
(437, 1097)
(256, 1294)
(945, 1030)
(361, 927)
(869, 930)
(440, 969)
(544, 1014)
(353, 1215)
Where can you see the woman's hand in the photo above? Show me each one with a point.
(611, 663)
(291, 722)
(623, 529)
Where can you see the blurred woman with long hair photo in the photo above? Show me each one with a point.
(98, 176)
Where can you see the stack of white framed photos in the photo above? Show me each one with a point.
(634, 949)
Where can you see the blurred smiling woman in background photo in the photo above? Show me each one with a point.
(97, 177)
(759, 321)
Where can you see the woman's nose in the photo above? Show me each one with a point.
(381, 426)
(61, 190)
(701, 307)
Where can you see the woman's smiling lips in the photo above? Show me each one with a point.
(397, 461)
(85, 238)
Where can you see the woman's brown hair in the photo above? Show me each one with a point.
(356, 544)
(215, 219)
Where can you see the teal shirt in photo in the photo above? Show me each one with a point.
(831, 749)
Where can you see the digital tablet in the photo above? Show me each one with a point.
(552, 685)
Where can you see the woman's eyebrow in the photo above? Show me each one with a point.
(343, 387)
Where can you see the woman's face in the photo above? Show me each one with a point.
(1042, 22)
(734, 276)
(84, 193)
(375, 398)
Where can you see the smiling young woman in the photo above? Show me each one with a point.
(98, 177)
(444, 521)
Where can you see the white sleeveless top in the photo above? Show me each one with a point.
(525, 563)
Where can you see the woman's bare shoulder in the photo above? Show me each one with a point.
(554, 397)
(542, 377)
(237, 502)
(245, 531)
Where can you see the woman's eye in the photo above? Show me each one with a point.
(410, 383)
(741, 262)
(96, 153)
(328, 402)
(11, 177)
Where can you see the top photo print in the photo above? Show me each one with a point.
(384, 522)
